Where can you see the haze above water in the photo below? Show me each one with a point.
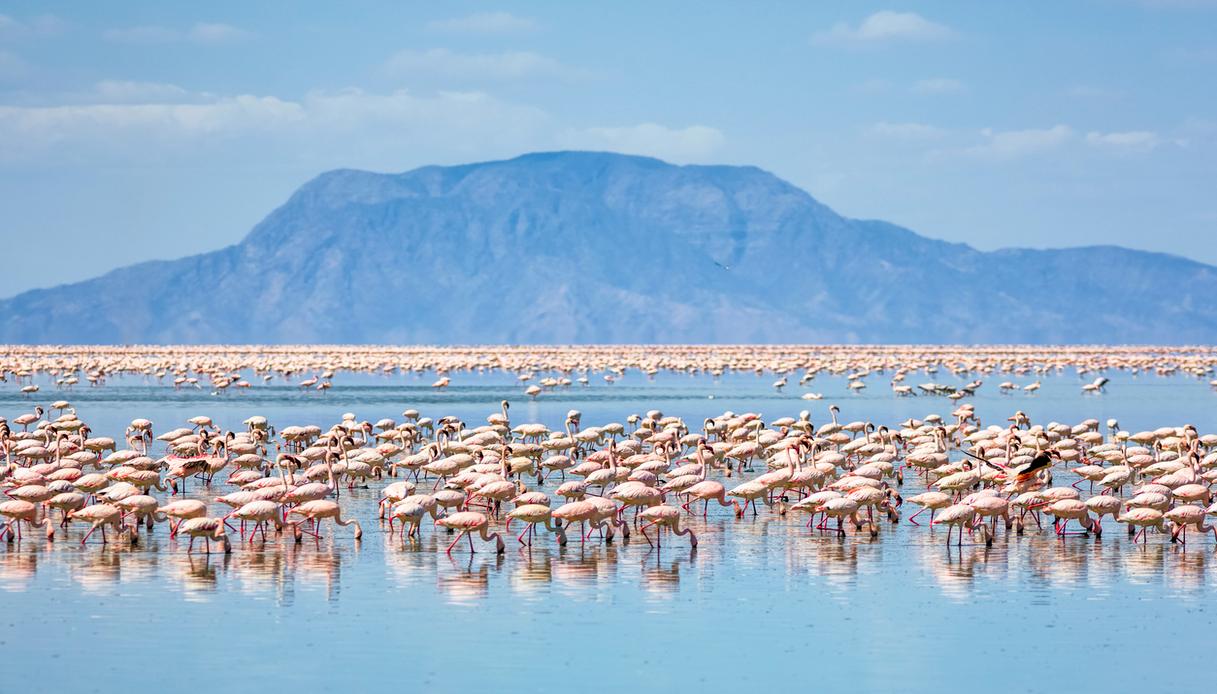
(762, 602)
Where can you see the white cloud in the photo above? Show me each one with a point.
(1138, 140)
(129, 122)
(201, 32)
(906, 131)
(42, 25)
(53, 124)
(693, 143)
(349, 127)
(886, 26)
(484, 23)
(1012, 144)
(937, 85)
(141, 34)
(498, 66)
(123, 91)
(214, 32)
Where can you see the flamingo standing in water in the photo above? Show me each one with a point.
(410, 512)
(580, 512)
(467, 522)
(705, 490)
(207, 528)
(17, 512)
(929, 501)
(29, 418)
(181, 510)
(956, 516)
(668, 517)
(318, 510)
(532, 515)
(99, 515)
(259, 513)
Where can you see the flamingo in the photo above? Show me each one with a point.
(318, 510)
(17, 512)
(533, 515)
(467, 522)
(668, 517)
(207, 528)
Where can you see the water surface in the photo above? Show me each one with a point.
(762, 603)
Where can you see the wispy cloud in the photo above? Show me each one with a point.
(1013, 144)
(126, 91)
(142, 34)
(484, 23)
(142, 121)
(101, 119)
(1003, 145)
(937, 85)
(214, 32)
(201, 32)
(1134, 140)
(496, 66)
(886, 26)
(358, 126)
(906, 131)
(41, 25)
(693, 143)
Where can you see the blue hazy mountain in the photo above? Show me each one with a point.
(579, 247)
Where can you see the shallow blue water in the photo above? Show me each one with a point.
(762, 603)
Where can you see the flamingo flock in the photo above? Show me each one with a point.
(652, 479)
(224, 369)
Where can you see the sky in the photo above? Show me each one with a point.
(141, 130)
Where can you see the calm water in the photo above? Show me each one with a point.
(763, 602)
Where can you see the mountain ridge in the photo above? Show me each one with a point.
(570, 247)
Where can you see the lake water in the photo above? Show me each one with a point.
(762, 603)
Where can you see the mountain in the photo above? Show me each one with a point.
(581, 247)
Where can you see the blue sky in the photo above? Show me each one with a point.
(139, 130)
